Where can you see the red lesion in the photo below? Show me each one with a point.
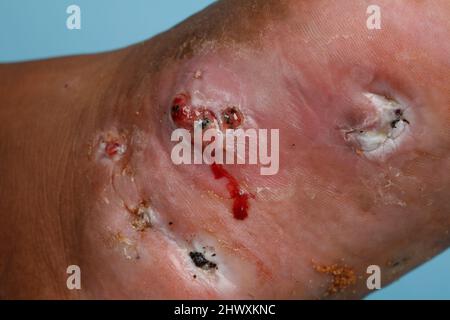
(239, 196)
(206, 118)
(232, 118)
(112, 148)
(184, 115)
(182, 112)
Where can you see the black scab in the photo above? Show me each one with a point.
(201, 262)
(399, 117)
(175, 108)
(399, 112)
(394, 123)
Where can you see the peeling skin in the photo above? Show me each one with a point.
(384, 133)
(126, 246)
(143, 216)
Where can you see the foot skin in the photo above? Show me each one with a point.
(364, 157)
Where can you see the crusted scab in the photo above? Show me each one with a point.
(232, 118)
(342, 277)
(112, 147)
(200, 261)
(142, 216)
(126, 246)
(185, 115)
(198, 74)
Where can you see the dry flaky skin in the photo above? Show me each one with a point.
(302, 67)
(342, 277)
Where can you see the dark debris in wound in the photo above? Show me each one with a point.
(201, 262)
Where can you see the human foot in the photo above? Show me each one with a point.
(363, 120)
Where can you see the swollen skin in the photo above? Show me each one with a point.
(364, 151)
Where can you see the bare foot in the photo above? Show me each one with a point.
(363, 119)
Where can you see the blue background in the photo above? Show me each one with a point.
(31, 29)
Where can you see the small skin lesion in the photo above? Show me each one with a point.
(376, 136)
(342, 277)
(110, 146)
(141, 216)
(126, 246)
(232, 118)
(399, 117)
(200, 261)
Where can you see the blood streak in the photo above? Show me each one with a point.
(239, 196)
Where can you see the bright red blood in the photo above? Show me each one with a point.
(112, 148)
(240, 198)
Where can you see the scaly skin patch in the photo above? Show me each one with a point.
(126, 246)
(342, 277)
(142, 216)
